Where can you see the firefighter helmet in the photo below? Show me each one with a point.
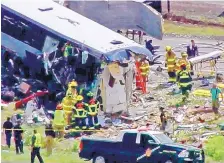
(59, 107)
(168, 48)
(183, 54)
(73, 83)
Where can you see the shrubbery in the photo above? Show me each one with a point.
(215, 148)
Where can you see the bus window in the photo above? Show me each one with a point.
(22, 30)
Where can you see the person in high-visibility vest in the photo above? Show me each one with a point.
(68, 103)
(184, 80)
(80, 114)
(92, 108)
(144, 71)
(67, 49)
(72, 87)
(171, 64)
(185, 61)
(36, 143)
(59, 121)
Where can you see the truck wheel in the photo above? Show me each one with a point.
(99, 159)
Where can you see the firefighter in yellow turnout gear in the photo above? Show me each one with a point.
(184, 61)
(144, 71)
(59, 121)
(68, 103)
(72, 87)
(92, 108)
(170, 61)
(80, 114)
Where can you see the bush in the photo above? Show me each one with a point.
(215, 148)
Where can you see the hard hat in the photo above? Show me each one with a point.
(168, 48)
(79, 98)
(59, 107)
(73, 83)
(92, 101)
(90, 94)
(183, 54)
(79, 105)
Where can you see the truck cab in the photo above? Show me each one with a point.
(133, 146)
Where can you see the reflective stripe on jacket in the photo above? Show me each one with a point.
(38, 142)
(80, 113)
(59, 118)
(92, 109)
(184, 78)
(68, 103)
(144, 68)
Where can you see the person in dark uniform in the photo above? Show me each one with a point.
(192, 50)
(163, 118)
(7, 126)
(35, 147)
(18, 138)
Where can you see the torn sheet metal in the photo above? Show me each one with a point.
(122, 15)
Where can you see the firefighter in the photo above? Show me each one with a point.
(80, 114)
(72, 87)
(67, 49)
(171, 64)
(68, 103)
(59, 121)
(92, 108)
(144, 71)
(184, 80)
(184, 60)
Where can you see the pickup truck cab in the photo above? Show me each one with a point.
(134, 146)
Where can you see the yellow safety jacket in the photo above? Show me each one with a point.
(144, 68)
(183, 61)
(92, 109)
(38, 141)
(171, 62)
(68, 50)
(184, 78)
(80, 113)
(59, 118)
(68, 103)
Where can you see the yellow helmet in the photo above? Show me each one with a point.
(168, 48)
(183, 54)
(73, 83)
(79, 98)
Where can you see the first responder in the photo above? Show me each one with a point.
(59, 121)
(72, 87)
(36, 143)
(184, 80)
(68, 48)
(92, 108)
(68, 103)
(171, 64)
(183, 60)
(144, 71)
(80, 114)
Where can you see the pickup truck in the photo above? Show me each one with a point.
(138, 146)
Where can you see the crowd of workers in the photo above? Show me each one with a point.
(75, 109)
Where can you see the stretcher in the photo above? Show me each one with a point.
(203, 92)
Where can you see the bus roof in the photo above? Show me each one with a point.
(73, 27)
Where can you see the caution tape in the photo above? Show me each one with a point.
(71, 130)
